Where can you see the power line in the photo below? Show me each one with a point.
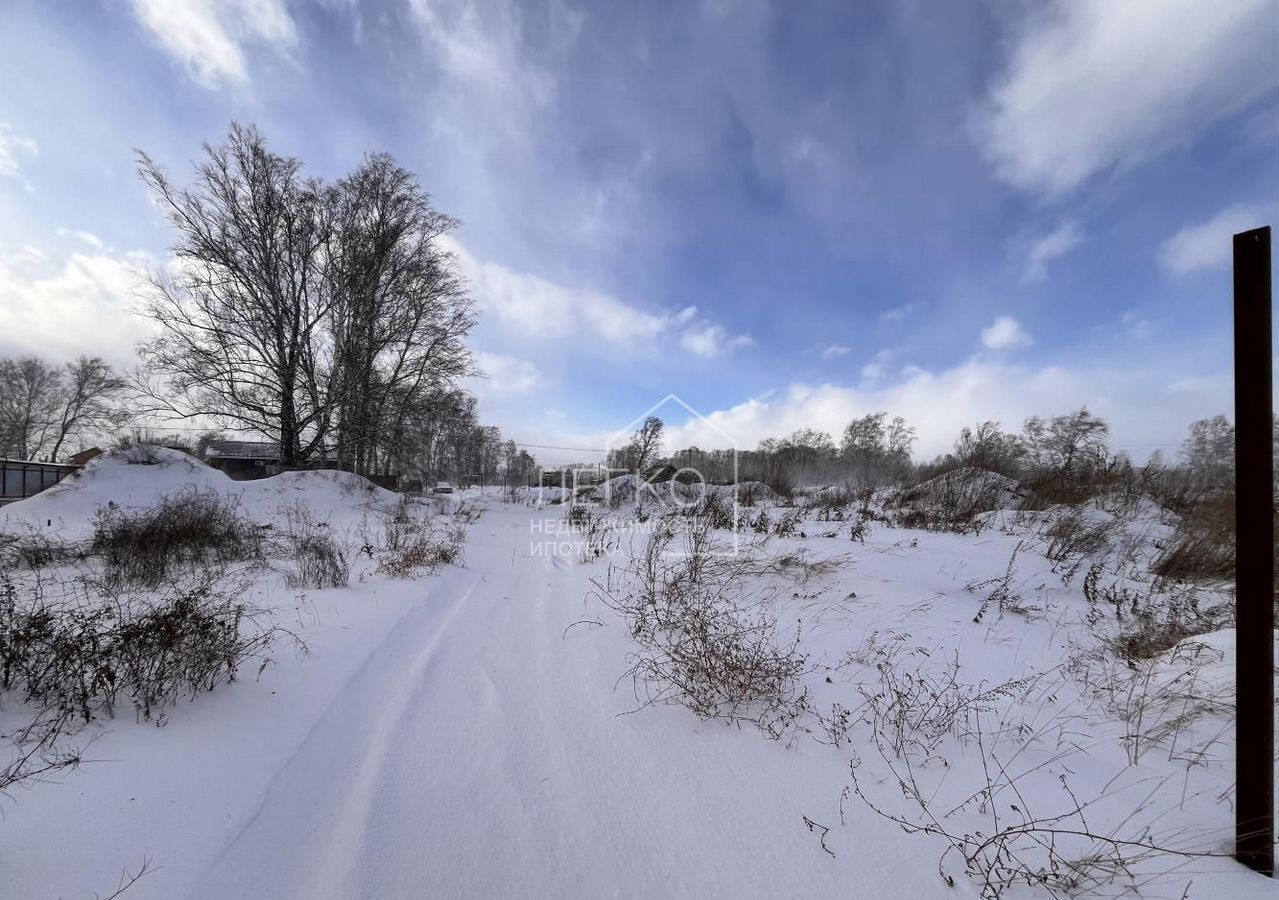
(553, 447)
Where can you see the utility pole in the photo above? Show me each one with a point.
(1254, 563)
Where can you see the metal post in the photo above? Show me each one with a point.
(1254, 565)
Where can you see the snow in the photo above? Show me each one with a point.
(626, 491)
(134, 480)
(969, 490)
(467, 735)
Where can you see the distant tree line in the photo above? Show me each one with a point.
(1063, 457)
(46, 410)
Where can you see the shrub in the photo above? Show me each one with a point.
(1157, 628)
(779, 481)
(705, 640)
(831, 504)
(413, 543)
(1003, 595)
(593, 534)
(788, 524)
(1073, 532)
(79, 653)
(1203, 546)
(184, 529)
(34, 550)
(318, 561)
(1004, 831)
(955, 500)
(424, 552)
(717, 512)
(38, 753)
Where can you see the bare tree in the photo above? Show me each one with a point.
(399, 315)
(987, 447)
(1067, 445)
(642, 449)
(429, 443)
(517, 465)
(876, 448)
(864, 437)
(241, 318)
(1209, 451)
(899, 439)
(30, 393)
(89, 388)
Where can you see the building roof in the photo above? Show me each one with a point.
(242, 450)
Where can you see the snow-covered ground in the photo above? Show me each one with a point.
(473, 734)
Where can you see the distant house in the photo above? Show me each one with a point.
(247, 460)
(660, 473)
(578, 474)
(244, 460)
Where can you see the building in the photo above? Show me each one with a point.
(247, 460)
(244, 460)
(573, 475)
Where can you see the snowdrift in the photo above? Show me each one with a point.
(965, 492)
(138, 477)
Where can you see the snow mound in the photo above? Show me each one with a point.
(966, 491)
(755, 490)
(139, 477)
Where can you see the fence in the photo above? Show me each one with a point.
(20, 479)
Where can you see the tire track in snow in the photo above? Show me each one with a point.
(347, 841)
(289, 819)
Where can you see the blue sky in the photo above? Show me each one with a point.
(787, 214)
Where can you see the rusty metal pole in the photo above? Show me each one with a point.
(1254, 566)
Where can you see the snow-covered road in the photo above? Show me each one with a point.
(479, 752)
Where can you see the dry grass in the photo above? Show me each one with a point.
(1203, 546)
(316, 559)
(707, 636)
(185, 530)
(78, 648)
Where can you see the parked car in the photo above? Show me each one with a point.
(443, 487)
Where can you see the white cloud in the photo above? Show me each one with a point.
(896, 314)
(534, 307)
(1208, 245)
(1043, 250)
(1094, 85)
(537, 308)
(208, 37)
(1005, 333)
(13, 147)
(1135, 324)
(482, 47)
(877, 368)
(711, 341)
(87, 237)
(1144, 412)
(506, 374)
(835, 351)
(79, 305)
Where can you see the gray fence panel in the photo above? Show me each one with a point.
(19, 479)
